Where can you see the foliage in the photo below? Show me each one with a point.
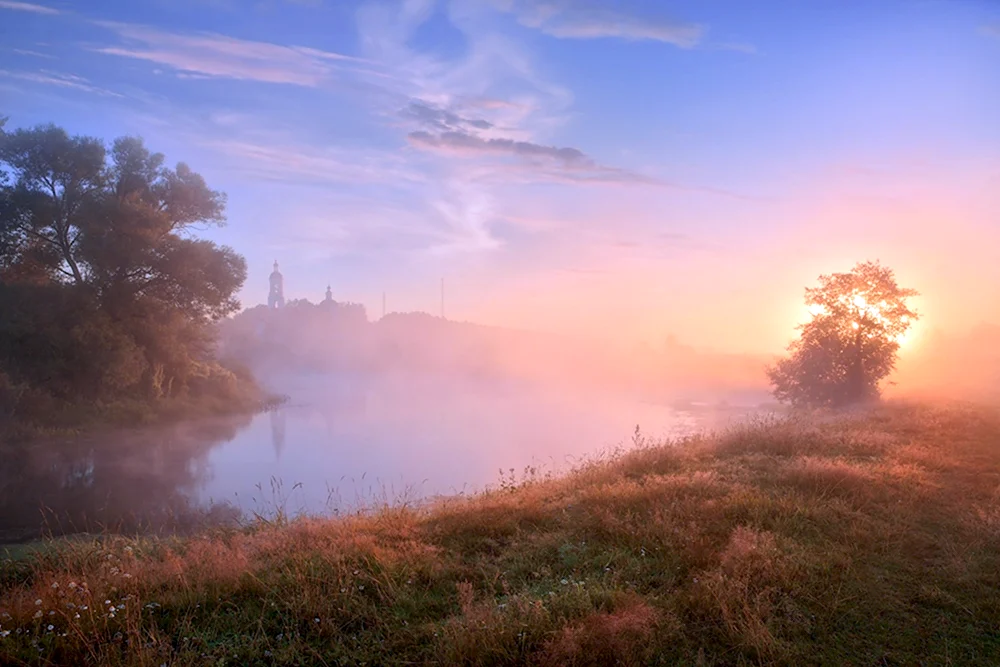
(851, 343)
(104, 290)
(863, 540)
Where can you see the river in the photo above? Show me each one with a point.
(338, 444)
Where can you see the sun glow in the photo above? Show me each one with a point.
(863, 309)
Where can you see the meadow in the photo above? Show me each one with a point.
(865, 538)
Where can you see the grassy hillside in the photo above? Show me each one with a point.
(872, 539)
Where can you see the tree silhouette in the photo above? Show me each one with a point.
(850, 344)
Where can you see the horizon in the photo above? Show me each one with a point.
(564, 167)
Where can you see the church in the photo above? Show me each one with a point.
(276, 295)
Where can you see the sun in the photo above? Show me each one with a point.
(863, 308)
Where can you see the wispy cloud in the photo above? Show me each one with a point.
(467, 144)
(213, 55)
(465, 212)
(441, 119)
(27, 7)
(583, 19)
(563, 164)
(298, 164)
(46, 77)
(33, 54)
(489, 110)
(991, 30)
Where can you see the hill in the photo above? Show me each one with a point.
(868, 538)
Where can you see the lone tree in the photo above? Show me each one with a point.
(851, 342)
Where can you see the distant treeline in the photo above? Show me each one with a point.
(107, 299)
(332, 336)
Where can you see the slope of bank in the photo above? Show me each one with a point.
(872, 538)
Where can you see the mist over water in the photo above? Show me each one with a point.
(409, 437)
(340, 443)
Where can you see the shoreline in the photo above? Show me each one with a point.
(868, 536)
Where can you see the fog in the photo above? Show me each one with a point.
(964, 366)
(409, 407)
(343, 441)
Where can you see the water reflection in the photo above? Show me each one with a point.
(278, 431)
(340, 442)
(128, 481)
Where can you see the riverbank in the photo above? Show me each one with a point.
(34, 415)
(865, 539)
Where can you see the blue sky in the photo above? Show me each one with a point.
(564, 164)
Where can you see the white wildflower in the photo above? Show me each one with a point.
(55, 584)
(51, 628)
(38, 603)
(38, 614)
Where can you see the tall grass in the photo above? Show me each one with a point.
(871, 539)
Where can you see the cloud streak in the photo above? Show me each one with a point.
(27, 7)
(991, 30)
(561, 164)
(579, 19)
(441, 119)
(46, 77)
(299, 164)
(33, 54)
(218, 56)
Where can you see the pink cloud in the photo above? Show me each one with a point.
(27, 7)
(214, 55)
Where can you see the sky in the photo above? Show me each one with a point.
(622, 169)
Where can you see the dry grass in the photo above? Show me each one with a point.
(869, 539)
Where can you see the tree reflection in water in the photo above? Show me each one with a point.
(121, 482)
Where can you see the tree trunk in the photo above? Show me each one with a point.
(858, 372)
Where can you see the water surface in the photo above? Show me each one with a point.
(340, 442)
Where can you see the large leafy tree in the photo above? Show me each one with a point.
(100, 242)
(851, 343)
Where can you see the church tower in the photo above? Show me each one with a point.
(276, 298)
(329, 295)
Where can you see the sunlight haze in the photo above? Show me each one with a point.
(625, 171)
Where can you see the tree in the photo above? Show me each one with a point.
(102, 284)
(851, 343)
